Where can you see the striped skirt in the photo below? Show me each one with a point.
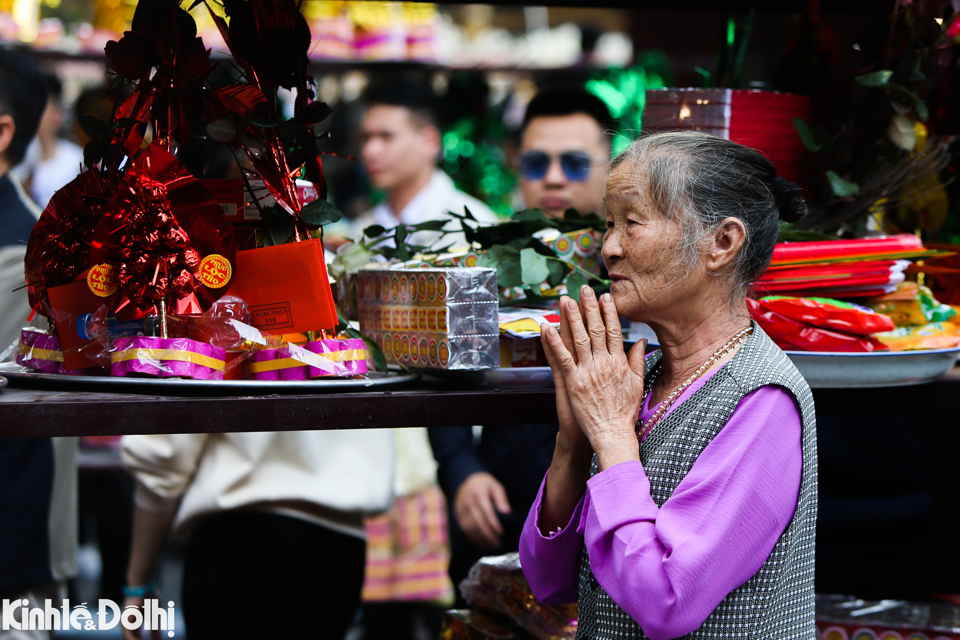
(408, 551)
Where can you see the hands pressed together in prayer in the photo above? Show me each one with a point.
(599, 390)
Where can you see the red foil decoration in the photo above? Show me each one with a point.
(158, 227)
(58, 251)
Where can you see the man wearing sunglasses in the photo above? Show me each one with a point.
(564, 151)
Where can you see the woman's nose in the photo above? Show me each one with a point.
(611, 250)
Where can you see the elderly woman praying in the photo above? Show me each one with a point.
(682, 496)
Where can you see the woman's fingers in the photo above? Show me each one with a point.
(637, 361)
(594, 320)
(560, 360)
(565, 334)
(582, 344)
(545, 335)
(612, 321)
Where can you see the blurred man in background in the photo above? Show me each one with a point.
(401, 144)
(565, 151)
(38, 476)
(407, 549)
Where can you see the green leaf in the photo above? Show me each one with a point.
(574, 283)
(558, 271)
(875, 79)
(841, 188)
(374, 231)
(93, 151)
(320, 212)
(901, 132)
(400, 235)
(506, 260)
(533, 267)
(915, 76)
(806, 135)
(919, 105)
(379, 360)
(93, 127)
(222, 130)
(314, 112)
(429, 225)
(532, 215)
(573, 220)
(277, 224)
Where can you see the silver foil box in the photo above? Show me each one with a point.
(435, 318)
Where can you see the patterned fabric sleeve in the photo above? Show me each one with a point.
(669, 567)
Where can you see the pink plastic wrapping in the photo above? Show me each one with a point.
(167, 358)
(41, 351)
(321, 358)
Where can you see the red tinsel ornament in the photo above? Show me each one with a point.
(59, 247)
(160, 224)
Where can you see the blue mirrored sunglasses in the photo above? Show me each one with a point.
(574, 164)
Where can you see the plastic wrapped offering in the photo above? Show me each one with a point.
(441, 318)
(496, 584)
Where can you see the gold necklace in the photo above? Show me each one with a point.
(644, 428)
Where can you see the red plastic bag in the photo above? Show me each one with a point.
(821, 313)
(796, 335)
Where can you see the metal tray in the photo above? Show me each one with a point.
(19, 376)
(876, 369)
(507, 378)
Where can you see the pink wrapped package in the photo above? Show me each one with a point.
(321, 358)
(167, 358)
(40, 350)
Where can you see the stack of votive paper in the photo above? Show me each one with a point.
(439, 318)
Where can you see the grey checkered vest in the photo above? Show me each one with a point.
(777, 602)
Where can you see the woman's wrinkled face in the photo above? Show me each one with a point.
(641, 250)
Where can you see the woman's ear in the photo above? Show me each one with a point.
(725, 244)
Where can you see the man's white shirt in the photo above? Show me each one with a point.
(432, 202)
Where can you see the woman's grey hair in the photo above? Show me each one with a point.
(699, 180)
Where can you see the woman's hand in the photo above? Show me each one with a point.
(570, 437)
(602, 388)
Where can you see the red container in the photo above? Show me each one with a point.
(761, 120)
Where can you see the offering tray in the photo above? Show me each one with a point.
(23, 377)
(499, 378)
(824, 370)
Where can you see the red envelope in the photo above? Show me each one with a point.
(286, 288)
(67, 303)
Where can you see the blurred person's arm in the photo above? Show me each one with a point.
(163, 466)
(149, 535)
(475, 495)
